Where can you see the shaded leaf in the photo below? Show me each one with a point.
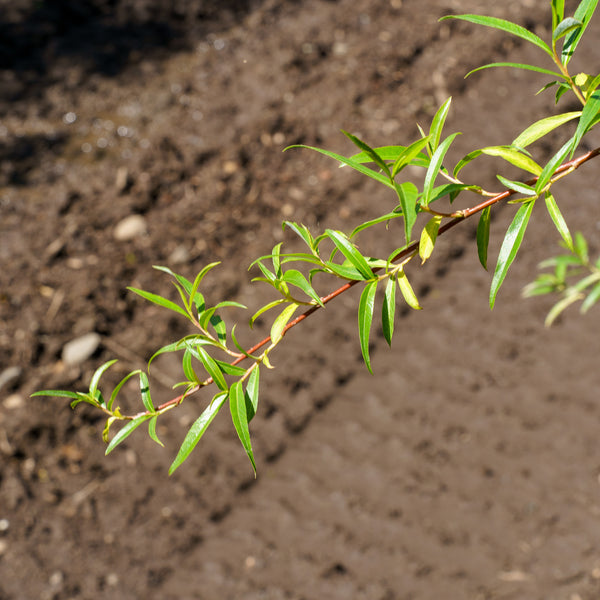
(369, 151)
(483, 236)
(388, 310)
(239, 416)
(559, 221)
(212, 368)
(565, 26)
(152, 431)
(366, 307)
(407, 196)
(584, 13)
(588, 116)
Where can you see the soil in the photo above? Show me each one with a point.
(467, 468)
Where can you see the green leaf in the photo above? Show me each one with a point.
(388, 310)
(428, 237)
(265, 308)
(350, 163)
(369, 151)
(59, 394)
(437, 125)
(295, 278)
(230, 369)
(584, 13)
(434, 167)
(344, 271)
(559, 221)
(517, 186)
(220, 328)
(188, 369)
(483, 236)
(514, 65)
(382, 219)
(152, 431)
(97, 375)
(551, 166)
(560, 306)
(347, 248)
(197, 430)
(407, 291)
(558, 12)
(407, 196)
(588, 116)
(145, 391)
(510, 246)
(565, 26)
(407, 155)
(118, 387)
(581, 248)
(366, 307)
(275, 257)
(252, 393)
(591, 299)
(302, 231)
(508, 153)
(542, 127)
(239, 416)
(278, 327)
(126, 431)
(506, 26)
(211, 367)
(156, 299)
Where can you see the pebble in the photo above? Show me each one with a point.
(130, 227)
(80, 349)
(13, 401)
(8, 375)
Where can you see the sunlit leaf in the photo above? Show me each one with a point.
(152, 431)
(510, 246)
(551, 166)
(591, 299)
(98, 374)
(145, 392)
(406, 156)
(118, 387)
(407, 291)
(212, 368)
(437, 125)
(559, 221)
(584, 13)
(506, 26)
(265, 308)
(588, 116)
(429, 237)
(517, 186)
(565, 26)
(407, 196)
(373, 155)
(126, 431)
(278, 327)
(434, 167)
(197, 430)
(295, 278)
(164, 302)
(542, 127)
(366, 307)
(347, 248)
(252, 393)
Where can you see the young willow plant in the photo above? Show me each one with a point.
(212, 355)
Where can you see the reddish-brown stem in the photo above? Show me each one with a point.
(465, 214)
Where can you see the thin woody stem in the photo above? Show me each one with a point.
(561, 171)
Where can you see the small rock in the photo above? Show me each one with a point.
(8, 375)
(13, 401)
(179, 255)
(80, 349)
(130, 227)
(122, 180)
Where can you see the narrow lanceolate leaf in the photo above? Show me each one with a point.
(118, 387)
(565, 26)
(252, 393)
(428, 237)
(514, 65)
(517, 186)
(265, 308)
(365, 318)
(152, 431)
(558, 12)
(294, 277)
(483, 236)
(98, 374)
(407, 196)
(584, 13)
(388, 310)
(542, 127)
(408, 154)
(373, 155)
(126, 431)
(407, 291)
(560, 306)
(348, 249)
(504, 25)
(156, 299)
(278, 327)
(212, 368)
(510, 246)
(239, 416)
(145, 392)
(551, 166)
(434, 167)
(588, 116)
(351, 163)
(559, 221)
(437, 125)
(60, 394)
(591, 299)
(197, 429)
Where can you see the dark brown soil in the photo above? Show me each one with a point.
(467, 468)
